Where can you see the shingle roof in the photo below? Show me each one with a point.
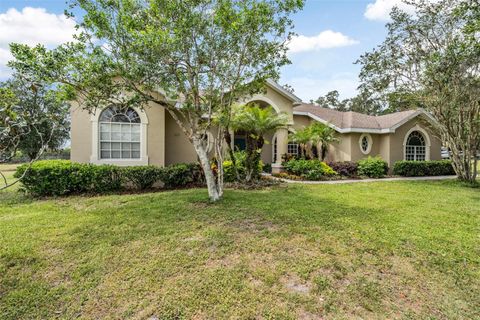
(355, 120)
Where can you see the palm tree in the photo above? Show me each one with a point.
(256, 122)
(322, 135)
(303, 137)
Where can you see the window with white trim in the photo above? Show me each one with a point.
(292, 148)
(415, 148)
(119, 133)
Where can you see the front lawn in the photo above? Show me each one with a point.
(373, 250)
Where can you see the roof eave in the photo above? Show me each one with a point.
(287, 94)
(391, 129)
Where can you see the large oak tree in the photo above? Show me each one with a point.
(432, 58)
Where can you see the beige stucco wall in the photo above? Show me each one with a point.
(300, 122)
(356, 151)
(80, 134)
(341, 150)
(156, 134)
(177, 147)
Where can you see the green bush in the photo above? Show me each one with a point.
(62, 177)
(373, 167)
(55, 177)
(240, 159)
(309, 169)
(423, 168)
(142, 177)
(181, 175)
(105, 178)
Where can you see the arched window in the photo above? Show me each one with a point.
(119, 133)
(415, 147)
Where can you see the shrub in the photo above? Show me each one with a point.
(105, 178)
(345, 168)
(181, 175)
(142, 177)
(423, 168)
(309, 169)
(373, 167)
(55, 177)
(267, 168)
(62, 177)
(229, 172)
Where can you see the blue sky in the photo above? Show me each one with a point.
(332, 35)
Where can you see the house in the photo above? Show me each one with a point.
(149, 135)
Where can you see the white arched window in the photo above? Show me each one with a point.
(415, 147)
(119, 133)
(119, 136)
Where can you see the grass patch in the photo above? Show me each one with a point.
(373, 250)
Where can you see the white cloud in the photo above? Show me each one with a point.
(5, 56)
(307, 88)
(324, 40)
(32, 26)
(380, 9)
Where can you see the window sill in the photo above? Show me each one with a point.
(121, 162)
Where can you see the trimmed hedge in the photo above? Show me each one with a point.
(423, 168)
(142, 177)
(62, 177)
(372, 167)
(181, 175)
(345, 168)
(309, 169)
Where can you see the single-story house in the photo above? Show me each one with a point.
(149, 135)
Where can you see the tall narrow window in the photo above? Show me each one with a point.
(415, 149)
(275, 150)
(119, 133)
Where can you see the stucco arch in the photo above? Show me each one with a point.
(266, 100)
(425, 135)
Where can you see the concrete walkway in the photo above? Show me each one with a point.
(363, 180)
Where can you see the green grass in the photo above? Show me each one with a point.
(373, 250)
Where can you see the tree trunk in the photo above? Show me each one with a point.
(249, 163)
(463, 160)
(214, 192)
(324, 151)
(228, 141)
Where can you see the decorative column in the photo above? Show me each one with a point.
(282, 142)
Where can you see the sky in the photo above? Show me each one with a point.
(331, 36)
